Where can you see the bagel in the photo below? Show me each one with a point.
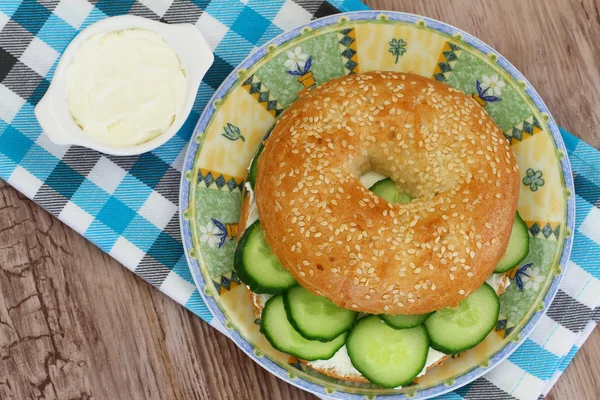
(340, 240)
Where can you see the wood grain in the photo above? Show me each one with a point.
(76, 324)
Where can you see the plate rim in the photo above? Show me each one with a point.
(367, 15)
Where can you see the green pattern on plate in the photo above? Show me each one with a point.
(533, 179)
(326, 62)
(397, 48)
(518, 298)
(225, 208)
(508, 111)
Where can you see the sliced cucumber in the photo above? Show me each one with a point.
(281, 334)
(386, 189)
(316, 317)
(518, 246)
(254, 166)
(404, 321)
(453, 330)
(386, 356)
(257, 266)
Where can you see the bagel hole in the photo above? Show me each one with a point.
(385, 187)
(375, 165)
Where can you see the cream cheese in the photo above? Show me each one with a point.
(498, 282)
(371, 178)
(252, 209)
(341, 364)
(125, 87)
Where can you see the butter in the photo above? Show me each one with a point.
(125, 87)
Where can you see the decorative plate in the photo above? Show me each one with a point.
(249, 101)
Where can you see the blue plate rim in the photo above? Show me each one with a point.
(207, 114)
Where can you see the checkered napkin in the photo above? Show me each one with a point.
(127, 206)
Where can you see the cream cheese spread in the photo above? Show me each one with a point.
(252, 209)
(125, 87)
(340, 363)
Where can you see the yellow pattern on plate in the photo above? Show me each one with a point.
(422, 48)
(238, 306)
(232, 157)
(547, 203)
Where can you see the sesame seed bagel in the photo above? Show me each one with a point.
(340, 240)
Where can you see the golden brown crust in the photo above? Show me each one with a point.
(254, 299)
(331, 372)
(340, 240)
(245, 210)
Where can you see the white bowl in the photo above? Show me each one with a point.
(52, 112)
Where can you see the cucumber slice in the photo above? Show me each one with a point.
(254, 166)
(386, 356)
(257, 266)
(386, 189)
(518, 246)
(453, 330)
(404, 321)
(316, 317)
(281, 334)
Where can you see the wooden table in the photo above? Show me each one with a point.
(76, 324)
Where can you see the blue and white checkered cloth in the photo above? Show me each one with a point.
(127, 206)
